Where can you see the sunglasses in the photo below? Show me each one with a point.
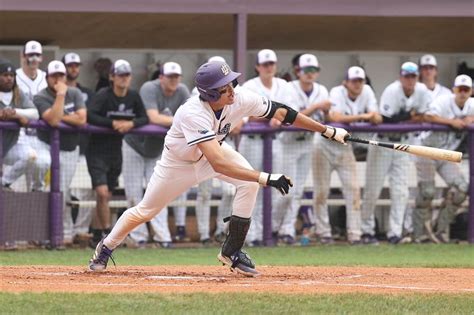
(225, 89)
(464, 89)
(310, 70)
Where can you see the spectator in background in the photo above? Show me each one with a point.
(456, 111)
(353, 101)
(161, 98)
(60, 103)
(120, 108)
(429, 76)
(102, 66)
(251, 146)
(404, 100)
(31, 80)
(311, 99)
(14, 106)
(73, 64)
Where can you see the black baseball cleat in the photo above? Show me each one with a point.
(101, 256)
(240, 262)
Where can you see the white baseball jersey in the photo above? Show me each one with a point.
(445, 106)
(28, 86)
(364, 103)
(394, 100)
(195, 122)
(303, 100)
(281, 91)
(439, 90)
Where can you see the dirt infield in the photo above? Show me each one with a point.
(169, 279)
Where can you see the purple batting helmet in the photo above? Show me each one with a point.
(211, 76)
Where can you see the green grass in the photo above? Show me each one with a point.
(438, 256)
(235, 303)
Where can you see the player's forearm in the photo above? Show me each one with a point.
(162, 120)
(98, 120)
(438, 120)
(304, 122)
(345, 119)
(29, 113)
(233, 170)
(74, 120)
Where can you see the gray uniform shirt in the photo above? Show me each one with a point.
(10, 137)
(73, 102)
(154, 98)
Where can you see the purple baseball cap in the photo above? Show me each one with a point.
(213, 75)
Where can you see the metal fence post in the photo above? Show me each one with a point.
(267, 191)
(55, 202)
(470, 229)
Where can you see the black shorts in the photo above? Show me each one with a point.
(104, 168)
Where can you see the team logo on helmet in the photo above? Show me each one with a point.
(225, 69)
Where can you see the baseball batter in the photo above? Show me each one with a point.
(311, 99)
(251, 146)
(457, 111)
(203, 209)
(403, 100)
(352, 101)
(195, 151)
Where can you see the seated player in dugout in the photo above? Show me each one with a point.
(195, 151)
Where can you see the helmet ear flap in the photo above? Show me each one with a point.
(209, 95)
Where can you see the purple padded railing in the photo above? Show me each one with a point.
(250, 128)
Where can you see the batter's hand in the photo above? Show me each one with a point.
(281, 182)
(336, 134)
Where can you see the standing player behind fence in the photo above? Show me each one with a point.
(429, 76)
(251, 146)
(195, 151)
(120, 108)
(456, 111)
(31, 80)
(311, 99)
(404, 100)
(352, 101)
(60, 103)
(73, 64)
(14, 106)
(161, 99)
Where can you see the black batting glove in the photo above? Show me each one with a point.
(279, 181)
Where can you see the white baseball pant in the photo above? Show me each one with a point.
(171, 178)
(381, 161)
(294, 160)
(251, 146)
(18, 158)
(84, 215)
(136, 171)
(327, 157)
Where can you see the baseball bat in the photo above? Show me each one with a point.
(419, 150)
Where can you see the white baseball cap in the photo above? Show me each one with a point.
(463, 80)
(71, 58)
(172, 68)
(121, 66)
(409, 68)
(428, 60)
(308, 60)
(354, 73)
(56, 66)
(266, 55)
(33, 47)
(216, 58)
